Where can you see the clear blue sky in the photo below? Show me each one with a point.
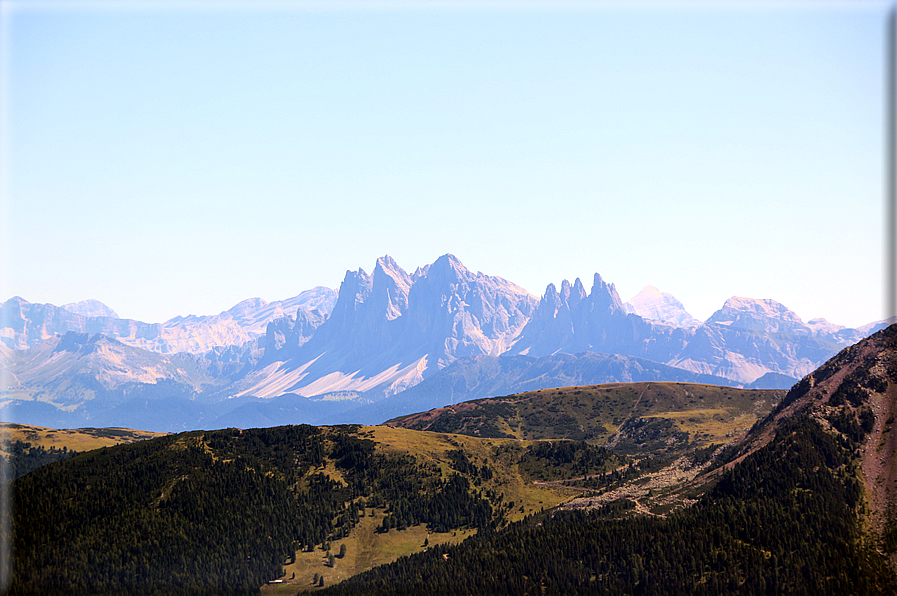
(172, 161)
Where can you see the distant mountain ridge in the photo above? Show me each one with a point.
(24, 324)
(390, 340)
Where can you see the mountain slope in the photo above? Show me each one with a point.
(853, 396)
(487, 376)
(784, 521)
(798, 504)
(405, 341)
(658, 418)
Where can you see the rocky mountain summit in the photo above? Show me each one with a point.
(659, 307)
(91, 308)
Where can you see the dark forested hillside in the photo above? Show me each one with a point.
(785, 521)
(220, 512)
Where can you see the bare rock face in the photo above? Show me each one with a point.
(759, 316)
(24, 324)
(459, 313)
(572, 321)
(388, 330)
(748, 338)
(659, 307)
(743, 341)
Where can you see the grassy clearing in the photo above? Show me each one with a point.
(78, 439)
(711, 425)
(365, 549)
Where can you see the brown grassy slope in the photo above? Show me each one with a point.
(632, 417)
(78, 439)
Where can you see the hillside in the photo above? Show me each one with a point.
(73, 439)
(785, 521)
(853, 397)
(226, 511)
(634, 418)
(486, 376)
(801, 504)
(25, 448)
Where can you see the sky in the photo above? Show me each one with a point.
(172, 159)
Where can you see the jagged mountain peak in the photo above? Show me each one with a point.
(448, 268)
(389, 288)
(572, 293)
(388, 267)
(605, 295)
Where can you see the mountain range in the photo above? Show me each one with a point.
(385, 344)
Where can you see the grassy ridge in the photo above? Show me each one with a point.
(636, 418)
(78, 439)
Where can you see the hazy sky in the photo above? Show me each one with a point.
(172, 161)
